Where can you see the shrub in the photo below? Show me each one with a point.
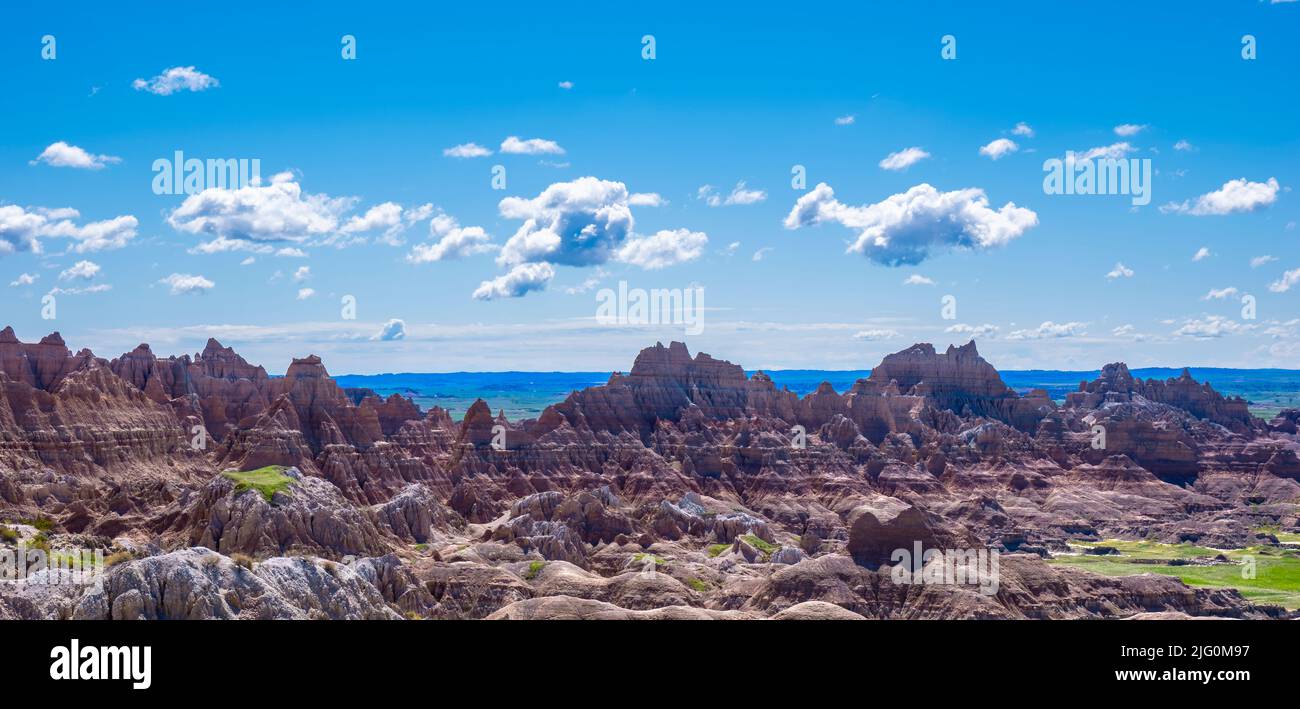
(117, 558)
(243, 560)
(716, 550)
(534, 569)
(9, 534)
(698, 585)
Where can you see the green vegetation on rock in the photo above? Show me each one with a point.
(267, 481)
(1276, 575)
(534, 569)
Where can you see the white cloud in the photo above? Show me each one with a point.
(1212, 326)
(846, 120)
(177, 78)
(394, 329)
(453, 241)
(1049, 330)
(302, 274)
(391, 217)
(305, 293)
(1114, 151)
(758, 255)
(279, 211)
(85, 270)
(903, 159)
(248, 261)
(739, 196)
(646, 199)
(61, 154)
(290, 252)
(24, 279)
(999, 148)
(1235, 196)
(521, 279)
(917, 279)
(1284, 284)
(663, 248)
(1220, 293)
(467, 150)
(22, 228)
(874, 335)
(985, 330)
(532, 146)
(1201, 253)
(97, 288)
(566, 85)
(1184, 146)
(578, 223)
(1262, 260)
(1120, 271)
(1126, 130)
(1023, 129)
(185, 283)
(905, 228)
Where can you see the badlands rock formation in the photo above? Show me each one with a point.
(681, 489)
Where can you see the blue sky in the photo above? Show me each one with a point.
(734, 94)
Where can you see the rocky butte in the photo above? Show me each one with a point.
(681, 489)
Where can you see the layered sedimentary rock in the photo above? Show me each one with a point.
(681, 489)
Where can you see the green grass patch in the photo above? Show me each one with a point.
(267, 481)
(716, 550)
(1277, 571)
(698, 585)
(641, 559)
(1288, 537)
(534, 569)
(42, 524)
(9, 534)
(759, 544)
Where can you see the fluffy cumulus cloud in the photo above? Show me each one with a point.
(974, 331)
(1286, 282)
(305, 293)
(61, 154)
(22, 228)
(998, 148)
(1220, 293)
(739, 195)
(578, 223)
(394, 329)
(24, 279)
(449, 240)
(1212, 326)
(241, 217)
(1238, 195)
(663, 248)
(646, 199)
(917, 279)
(177, 78)
(181, 283)
(1126, 130)
(1023, 129)
(81, 270)
(533, 146)
(1113, 151)
(520, 280)
(1120, 271)
(582, 223)
(906, 228)
(1049, 330)
(1201, 254)
(390, 218)
(467, 150)
(1262, 260)
(903, 159)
